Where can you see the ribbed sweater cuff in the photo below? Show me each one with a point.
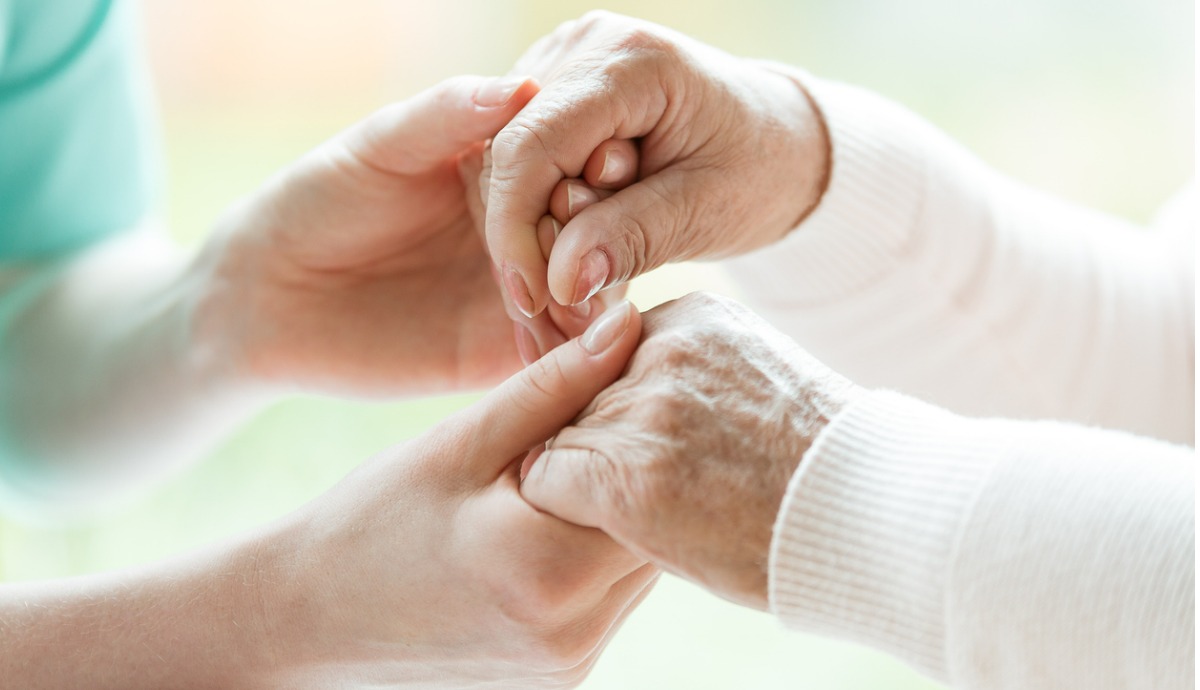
(867, 215)
(866, 533)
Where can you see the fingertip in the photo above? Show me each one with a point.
(571, 196)
(613, 165)
(505, 93)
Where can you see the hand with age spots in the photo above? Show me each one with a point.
(685, 459)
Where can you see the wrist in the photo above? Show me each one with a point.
(807, 162)
(224, 314)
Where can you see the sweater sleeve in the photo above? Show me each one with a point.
(993, 554)
(924, 271)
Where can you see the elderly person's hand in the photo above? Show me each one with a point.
(731, 154)
(685, 460)
(361, 268)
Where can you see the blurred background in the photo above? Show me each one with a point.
(1090, 99)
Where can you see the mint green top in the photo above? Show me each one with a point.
(78, 154)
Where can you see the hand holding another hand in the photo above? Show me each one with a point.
(686, 458)
(730, 155)
(361, 268)
(426, 568)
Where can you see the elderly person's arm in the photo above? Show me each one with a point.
(926, 271)
(988, 553)
(915, 266)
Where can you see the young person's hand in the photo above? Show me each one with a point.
(361, 270)
(423, 568)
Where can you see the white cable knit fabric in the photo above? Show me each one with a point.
(990, 550)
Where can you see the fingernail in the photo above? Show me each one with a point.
(593, 272)
(615, 168)
(519, 291)
(583, 310)
(526, 345)
(557, 227)
(498, 92)
(578, 197)
(608, 328)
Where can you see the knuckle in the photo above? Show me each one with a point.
(645, 39)
(703, 299)
(520, 141)
(547, 379)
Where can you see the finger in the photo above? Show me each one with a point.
(614, 240)
(471, 174)
(547, 231)
(537, 402)
(571, 196)
(552, 138)
(563, 483)
(603, 621)
(421, 132)
(624, 597)
(613, 165)
(534, 337)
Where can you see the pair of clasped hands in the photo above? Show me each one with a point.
(506, 545)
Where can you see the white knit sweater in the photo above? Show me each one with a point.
(988, 552)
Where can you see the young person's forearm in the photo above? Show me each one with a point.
(109, 376)
(191, 622)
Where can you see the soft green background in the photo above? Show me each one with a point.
(1092, 99)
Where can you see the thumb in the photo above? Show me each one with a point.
(421, 132)
(614, 240)
(539, 401)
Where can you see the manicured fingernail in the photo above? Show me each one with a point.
(615, 168)
(593, 272)
(607, 329)
(578, 198)
(526, 345)
(557, 227)
(519, 291)
(497, 92)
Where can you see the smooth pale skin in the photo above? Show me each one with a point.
(685, 459)
(359, 270)
(731, 155)
(423, 568)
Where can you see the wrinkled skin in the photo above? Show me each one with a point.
(730, 155)
(685, 459)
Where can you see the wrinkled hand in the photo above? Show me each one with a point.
(361, 269)
(425, 567)
(685, 459)
(730, 155)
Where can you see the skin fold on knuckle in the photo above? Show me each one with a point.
(547, 381)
